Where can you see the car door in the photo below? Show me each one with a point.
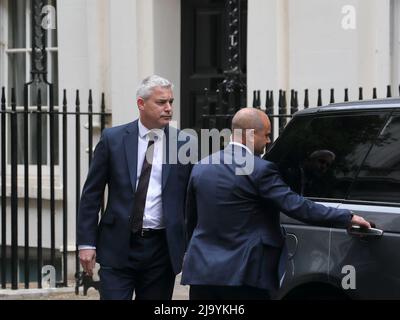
(319, 156)
(375, 195)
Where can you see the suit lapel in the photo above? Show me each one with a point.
(166, 167)
(131, 151)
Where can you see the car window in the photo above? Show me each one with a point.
(379, 177)
(319, 156)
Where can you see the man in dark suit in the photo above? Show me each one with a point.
(237, 246)
(139, 242)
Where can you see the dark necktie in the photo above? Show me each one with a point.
(141, 190)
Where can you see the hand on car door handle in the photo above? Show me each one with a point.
(365, 232)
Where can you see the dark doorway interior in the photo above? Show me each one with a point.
(204, 53)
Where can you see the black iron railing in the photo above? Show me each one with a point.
(16, 257)
(219, 106)
(286, 111)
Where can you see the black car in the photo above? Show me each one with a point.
(346, 156)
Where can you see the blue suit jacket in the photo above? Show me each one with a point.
(115, 164)
(234, 222)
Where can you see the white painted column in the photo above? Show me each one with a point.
(373, 60)
(283, 44)
(262, 41)
(267, 49)
(98, 43)
(395, 41)
(2, 43)
(123, 66)
(73, 74)
(159, 43)
(167, 46)
(267, 46)
(145, 38)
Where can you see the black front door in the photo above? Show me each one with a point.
(204, 53)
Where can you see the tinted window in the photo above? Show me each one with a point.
(379, 178)
(319, 157)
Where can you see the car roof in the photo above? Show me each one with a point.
(377, 104)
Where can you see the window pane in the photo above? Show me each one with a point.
(17, 24)
(320, 157)
(16, 76)
(53, 74)
(20, 139)
(34, 139)
(379, 177)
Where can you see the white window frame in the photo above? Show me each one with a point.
(4, 52)
(3, 44)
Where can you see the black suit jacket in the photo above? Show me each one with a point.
(115, 165)
(234, 221)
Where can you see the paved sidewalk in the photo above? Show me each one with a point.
(180, 293)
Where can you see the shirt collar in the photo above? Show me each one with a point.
(240, 145)
(143, 131)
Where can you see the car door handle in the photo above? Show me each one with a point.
(365, 232)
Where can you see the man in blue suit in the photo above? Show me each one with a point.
(140, 241)
(237, 246)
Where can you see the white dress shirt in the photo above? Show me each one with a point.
(153, 215)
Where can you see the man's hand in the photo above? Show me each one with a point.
(360, 221)
(87, 258)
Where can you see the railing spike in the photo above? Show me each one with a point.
(319, 102)
(3, 95)
(389, 91)
(77, 100)
(64, 97)
(90, 97)
(306, 101)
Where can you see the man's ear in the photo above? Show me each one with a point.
(140, 103)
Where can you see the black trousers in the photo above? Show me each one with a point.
(149, 274)
(227, 293)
